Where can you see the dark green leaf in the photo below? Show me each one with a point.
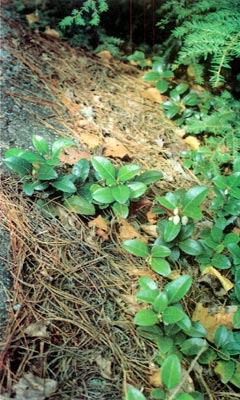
(222, 336)
(134, 394)
(120, 210)
(236, 319)
(170, 205)
(172, 315)
(33, 157)
(59, 144)
(162, 86)
(148, 283)
(151, 76)
(216, 234)
(164, 344)
(185, 324)
(158, 394)
(127, 172)
(147, 295)
(181, 88)
(149, 177)
(19, 165)
(177, 289)
(81, 169)
(160, 303)
(79, 205)
(193, 198)
(197, 330)
(175, 95)
(137, 189)
(170, 109)
(167, 74)
(136, 247)
(183, 396)
(28, 188)
(40, 144)
(192, 347)
(103, 195)
(65, 184)
(220, 261)
(46, 173)
(190, 246)
(121, 193)
(171, 231)
(13, 152)
(160, 251)
(146, 318)
(191, 99)
(105, 169)
(171, 371)
(160, 266)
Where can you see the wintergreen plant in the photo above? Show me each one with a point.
(118, 187)
(161, 74)
(83, 186)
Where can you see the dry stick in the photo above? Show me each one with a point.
(192, 365)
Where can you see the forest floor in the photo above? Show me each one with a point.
(71, 298)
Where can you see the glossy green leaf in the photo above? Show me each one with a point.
(120, 193)
(136, 247)
(137, 189)
(46, 173)
(231, 238)
(81, 170)
(13, 152)
(170, 109)
(177, 289)
(167, 74)
(157, 394)
(193, 198)
(59, 144)
(220, 261)
(147, 295)
(225, 369)
(171, 231)
(105, 169)
(79, 205)
(193, 346)
(161, 266)
(169, 202)
(181, 88)
(190, 246)
(33, 158)
(151, 76)
(171, 371)
(197, 330)
(162, 86)
(185, 324)
(103, 195)
(172, 315)
(160, 251)
(174, 95)
(120, 210)
(40, 144)
(148, 283)
(191, 99)
(18, 165)
(65, 184)
(160, 303)
(134, 394)
(28, 188)
(149, 177)
(146, 318)
(150, 332)
(127, 172)
(216, 234)
(222, 336)
(164, 344)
